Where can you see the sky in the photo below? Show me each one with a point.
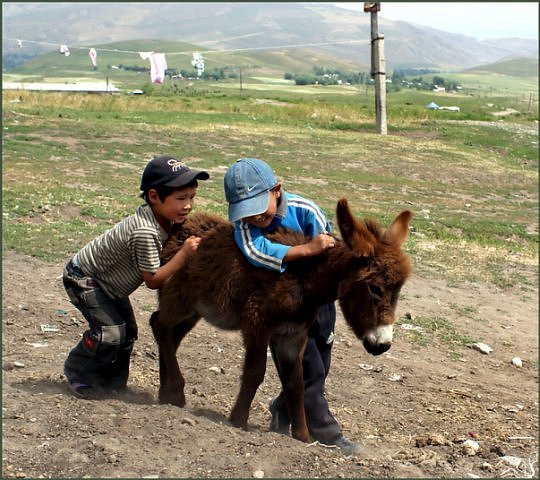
(475, 19)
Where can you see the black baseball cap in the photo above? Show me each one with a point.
(166, 171)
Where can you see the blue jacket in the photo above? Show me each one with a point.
(294, 212)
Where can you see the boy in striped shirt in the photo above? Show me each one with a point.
(102, 275)
(257, 205)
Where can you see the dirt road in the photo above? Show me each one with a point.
(413, 408)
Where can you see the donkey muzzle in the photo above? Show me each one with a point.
(378, 340)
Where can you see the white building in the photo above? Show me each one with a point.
(83, 87)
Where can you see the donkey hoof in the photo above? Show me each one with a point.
(302, 435)
(238, 423)
(172, 398)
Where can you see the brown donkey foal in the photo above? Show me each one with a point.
(364, 272)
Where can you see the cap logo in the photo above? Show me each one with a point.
(176, 165)
(252, 187)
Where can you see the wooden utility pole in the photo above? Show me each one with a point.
(378, 69)
(240, 80)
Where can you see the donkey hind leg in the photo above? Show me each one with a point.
(288, 352)
(171, 381)
(252, 376)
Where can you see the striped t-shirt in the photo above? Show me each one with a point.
(117, 257)
(293, 212)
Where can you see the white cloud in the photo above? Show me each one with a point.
(480, 20)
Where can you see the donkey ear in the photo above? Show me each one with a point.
(398, 230)
(355, 234)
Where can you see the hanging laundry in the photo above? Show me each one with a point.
(93, 56)
(158, 65)
(19, 43)
(65, 50)
(198, 62)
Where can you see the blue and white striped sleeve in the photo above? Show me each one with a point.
(315, 222)
(257, 249)
(310, 217)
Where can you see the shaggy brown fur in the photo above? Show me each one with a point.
(364, 272)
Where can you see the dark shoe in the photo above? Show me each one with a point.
(79, 390)
(347, 447)
(87, 392)
(278, 424)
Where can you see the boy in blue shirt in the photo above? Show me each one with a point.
(258, 205)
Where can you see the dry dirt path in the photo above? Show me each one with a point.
(411, 408)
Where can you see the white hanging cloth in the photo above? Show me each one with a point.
(64, 49)
(198, 62)
(93, 56)
(158, 65)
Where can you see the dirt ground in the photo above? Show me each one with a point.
(415, 410)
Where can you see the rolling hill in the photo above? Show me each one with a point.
(320, 29)
(518, 67)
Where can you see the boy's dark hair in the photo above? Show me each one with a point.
(164, 192)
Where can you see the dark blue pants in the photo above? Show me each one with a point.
(316, 364)
(101, 358)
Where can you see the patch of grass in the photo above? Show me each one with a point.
(440, 329)
(474, 191)
(502, 147)
(464, 310)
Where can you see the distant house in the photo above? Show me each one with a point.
(438, 89)
(83, 87)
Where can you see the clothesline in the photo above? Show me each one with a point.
(206, 52)
(158, 63)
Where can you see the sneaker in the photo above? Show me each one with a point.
(79, 390)
(278, 424)
(347, 447)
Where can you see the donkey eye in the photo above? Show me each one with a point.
(375, 291)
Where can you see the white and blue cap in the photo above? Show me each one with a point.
(247, 183)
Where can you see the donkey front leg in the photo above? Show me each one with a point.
(288, 352)
(171, 381)
(252, 376)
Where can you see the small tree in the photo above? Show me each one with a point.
(304, 79)
(438, 81)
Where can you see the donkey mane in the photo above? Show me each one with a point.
(197, 224)
(200, 223)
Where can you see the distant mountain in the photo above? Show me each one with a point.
(269, 26)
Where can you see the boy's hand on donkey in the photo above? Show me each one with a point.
(190, 246)
(320, 243)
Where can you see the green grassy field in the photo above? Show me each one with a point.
(72, 165)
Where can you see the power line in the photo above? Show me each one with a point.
(206, 52)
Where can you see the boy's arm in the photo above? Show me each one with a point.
(313, 223)
(162, 274)
(257, 249)
(315, 246)
(263, 253)
(145, 247)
